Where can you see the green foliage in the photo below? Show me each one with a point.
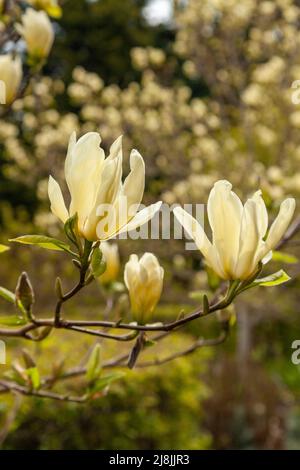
(155, 409)
(94, 364)
(7, 295)
(44, 242)
(274, 279)
(99, 36)
(98, 264)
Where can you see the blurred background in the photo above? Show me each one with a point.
(203, 89)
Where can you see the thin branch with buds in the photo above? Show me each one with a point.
(37, 328)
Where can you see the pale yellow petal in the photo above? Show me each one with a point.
(225, 214)
(196, 233)
(57, 201)
(281, 223)
(83, 176)
(253, 228)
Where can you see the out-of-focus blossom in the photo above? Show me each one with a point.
(50, 6)
(238, 231)
(111, 256)
(11, 75)
(37, 31)
(144, 281)
(105, 206)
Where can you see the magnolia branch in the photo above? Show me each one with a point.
(38, 329)
(120, 361)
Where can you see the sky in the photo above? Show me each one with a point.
(159, 11)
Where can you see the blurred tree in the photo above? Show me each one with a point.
(99, 34)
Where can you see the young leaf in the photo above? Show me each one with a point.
(44, 242)
(7, 295)
(98, 264)
(103, 382)
(70, 228)
(94, 364)
(205, 304)
(24, 292)
(34, 377)
(273, 279)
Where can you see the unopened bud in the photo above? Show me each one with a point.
(24, 292)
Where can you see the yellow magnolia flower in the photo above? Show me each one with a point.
(111, 255)
(105, 206)
(38, 33)
(11, 76)
(50, 6)
(238, 232)
(144, 281)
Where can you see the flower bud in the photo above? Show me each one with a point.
(24, 292)
(144, 281)
(38, 33)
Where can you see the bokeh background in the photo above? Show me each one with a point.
(203, 89)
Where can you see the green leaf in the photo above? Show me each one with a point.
(273, 280)
(94, 364)
(70, 228)
(284, 257)
(34, 377)
(205, 305)
(7, 295)
(98, 264)
(44, 242)
(24, 292)
(149, 342)
(3, 248)
(12, 320)
(103, 382)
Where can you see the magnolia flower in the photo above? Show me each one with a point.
(10, 76)
(105, 206)
(239, 241)
(50, 6)
(37, 31)
(111, 256)
(144, 281)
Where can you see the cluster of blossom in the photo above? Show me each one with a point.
(27, 37)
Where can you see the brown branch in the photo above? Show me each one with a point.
(8, 386)
(102, 334)
(198, 344)
(14, 387)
